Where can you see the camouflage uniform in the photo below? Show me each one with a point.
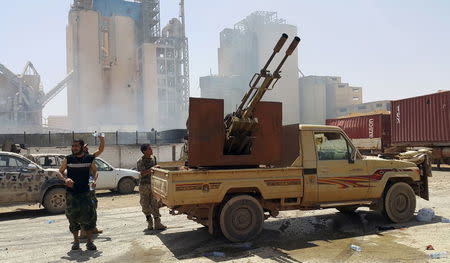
(184, 152)
(80, 211)
(149, 204)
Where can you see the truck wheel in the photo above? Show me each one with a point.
(347, 209)
(241, 218)
(126, 186)
(55, 200)
(400, 203)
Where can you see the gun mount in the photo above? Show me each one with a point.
(241, 125)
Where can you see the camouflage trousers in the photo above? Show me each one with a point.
(80, 211)
(149, 204)
(94, 199)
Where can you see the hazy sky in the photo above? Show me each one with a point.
(393, 49)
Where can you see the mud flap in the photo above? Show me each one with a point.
(425, 172)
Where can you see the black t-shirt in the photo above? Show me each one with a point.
(78, 170)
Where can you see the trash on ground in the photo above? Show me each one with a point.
(50, 221)
(445, 220)
(438, 255)
(430, 247)
(356, 248)
(425, 215)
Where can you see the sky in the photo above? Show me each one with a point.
(392, 49)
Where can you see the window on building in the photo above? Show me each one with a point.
(342, 86)
(362, 107)
(343, 110)
(379, 105)
(160, 52)
(170, 53)
(355, 98)
(161, 67)
(161, 82)
(355, 90)
(170, 67)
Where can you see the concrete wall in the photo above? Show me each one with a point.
(313, 100)
(84, 92)
(227, 88)
(121, 156)
(149, 97)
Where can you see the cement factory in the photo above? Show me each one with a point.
(123, 72)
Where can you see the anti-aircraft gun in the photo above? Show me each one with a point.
(240, 125)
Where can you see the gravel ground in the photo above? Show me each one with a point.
(29, 234)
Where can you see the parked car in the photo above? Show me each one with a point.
(47, 160)
(25, 182)
(110, 178)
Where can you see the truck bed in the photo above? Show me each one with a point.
(175, 187)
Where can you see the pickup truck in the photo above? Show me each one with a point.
(328, 172)
(25, 182)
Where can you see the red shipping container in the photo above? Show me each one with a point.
(422, 121)
(371, 132)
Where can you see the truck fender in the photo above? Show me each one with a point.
(253, 191)
(50, 183)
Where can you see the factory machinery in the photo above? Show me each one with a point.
(22, 97)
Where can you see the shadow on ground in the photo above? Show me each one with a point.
(36, 211)
(442, 169)
(282, 236)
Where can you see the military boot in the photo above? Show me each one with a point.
(159, 225)
(150, 223)
(97, 231)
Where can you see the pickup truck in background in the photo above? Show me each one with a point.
(327, 172)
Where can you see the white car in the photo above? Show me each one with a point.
(122, 180)
(109, 178)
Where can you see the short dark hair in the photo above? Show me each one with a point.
(79, 141)
(144, 147)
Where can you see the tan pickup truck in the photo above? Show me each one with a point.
(329, 172)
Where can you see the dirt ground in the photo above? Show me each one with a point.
(29, 234)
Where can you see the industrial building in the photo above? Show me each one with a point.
(243, 51)
(22, 99)
(322, 97)
(128, 74)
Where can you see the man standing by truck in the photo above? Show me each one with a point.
(148, 202)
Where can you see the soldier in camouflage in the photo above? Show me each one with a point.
(148, 202)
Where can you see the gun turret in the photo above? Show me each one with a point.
(240, 125)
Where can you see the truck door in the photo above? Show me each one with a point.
(338, 178)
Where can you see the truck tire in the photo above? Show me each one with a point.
(126, 186)
(241, 218)
(347, 209)
(400, 202)
(55, 200)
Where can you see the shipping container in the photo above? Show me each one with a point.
(421, 121)
(368, 133)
